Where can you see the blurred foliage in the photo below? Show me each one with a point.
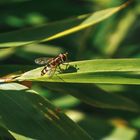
(115, 37)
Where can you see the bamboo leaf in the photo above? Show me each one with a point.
(55, 30)
(5, 135)
(35, 117)
(79, 77)
(91, 94)
(112, 71)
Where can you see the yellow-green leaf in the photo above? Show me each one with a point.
(55, 30)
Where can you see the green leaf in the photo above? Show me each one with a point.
(11, 1)
(104, 127)
(120, 33)
(91, 94)
(55, 30)
(35, 117)
(79, 82)
(5, 135)
(122, 133)
(4, 53)
(107, 71)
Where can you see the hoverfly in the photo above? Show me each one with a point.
(51, 64)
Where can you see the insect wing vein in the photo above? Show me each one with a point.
(51, 71)
(43, 60)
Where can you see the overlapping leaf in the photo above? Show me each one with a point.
(78, 78)
(55, 30)
(35, 117)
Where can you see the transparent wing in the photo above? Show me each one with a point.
(48, 70)
(51, 72)
(43, 60)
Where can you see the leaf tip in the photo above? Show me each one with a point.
(126, 4)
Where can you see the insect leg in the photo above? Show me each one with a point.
(60, 69)
(66, 64)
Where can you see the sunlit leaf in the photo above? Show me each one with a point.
(82, 74)
(113, 71)
(55, 30)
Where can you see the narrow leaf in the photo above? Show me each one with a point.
(55, 30)
(35, 117)
(113, 71)
(91, 94)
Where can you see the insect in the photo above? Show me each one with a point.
(52, 63)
